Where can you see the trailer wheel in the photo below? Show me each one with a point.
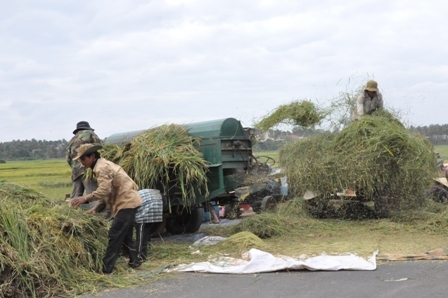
(189, 221)
(269, 203)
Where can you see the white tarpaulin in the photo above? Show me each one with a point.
(259, 261)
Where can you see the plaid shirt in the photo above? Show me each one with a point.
(152, 207)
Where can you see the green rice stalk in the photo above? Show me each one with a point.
(46, 249)
(166, 158)
(300, 113)
(375, 155)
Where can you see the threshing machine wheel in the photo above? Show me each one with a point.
(268, 203)
(188, 221)
(265, 160)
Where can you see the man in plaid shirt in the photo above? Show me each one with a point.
(148, 215)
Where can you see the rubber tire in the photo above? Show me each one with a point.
(269, 203)
(187, 222)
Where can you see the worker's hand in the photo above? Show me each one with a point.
(78, 201)
(91, 211)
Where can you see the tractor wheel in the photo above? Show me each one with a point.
(189, 221)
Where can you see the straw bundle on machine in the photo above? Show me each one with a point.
(376, 156)
(164, 157)
(46, 249)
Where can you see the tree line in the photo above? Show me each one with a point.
(272, 140)
(32, 149)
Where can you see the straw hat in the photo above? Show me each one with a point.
(371, 86)
(87, 149)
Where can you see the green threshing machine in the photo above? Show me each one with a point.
(227, 147)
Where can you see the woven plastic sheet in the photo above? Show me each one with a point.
(257, 261)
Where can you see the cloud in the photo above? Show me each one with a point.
(130, 65)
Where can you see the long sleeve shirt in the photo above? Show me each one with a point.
(366, 105)
(81, 137)
(116, 189)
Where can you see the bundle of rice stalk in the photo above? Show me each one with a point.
(46, 249)
(376, 156)
(166, 158)
(300, 113)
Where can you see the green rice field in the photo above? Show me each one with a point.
(50, 177)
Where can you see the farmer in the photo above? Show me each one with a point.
(82, 134)
(147, 220)
(119, 193)
(369, 100)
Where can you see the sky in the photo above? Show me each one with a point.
(127, 65)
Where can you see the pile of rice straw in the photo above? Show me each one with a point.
(243, 241)
(166, 158)
(375, 155)
(46, 249)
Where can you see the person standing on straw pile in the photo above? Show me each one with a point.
(83, 134)
(369, 100)
(119, 193)
(148, 215)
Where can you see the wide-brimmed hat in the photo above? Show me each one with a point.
(82, 125)
(371, 86)
(86, 149)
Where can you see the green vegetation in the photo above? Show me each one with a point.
(291, 231)
(50, 177)
(375, 156)
(299, 113)
(46, 248)
(37, 232)
(443, 150)
(32, 149)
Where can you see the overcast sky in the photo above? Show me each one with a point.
(131, 65)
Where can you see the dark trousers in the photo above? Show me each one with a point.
(120, 236)
(143, 232)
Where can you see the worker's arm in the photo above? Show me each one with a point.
(380, 101)
(104, 178)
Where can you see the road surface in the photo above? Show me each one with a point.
(393, 279)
